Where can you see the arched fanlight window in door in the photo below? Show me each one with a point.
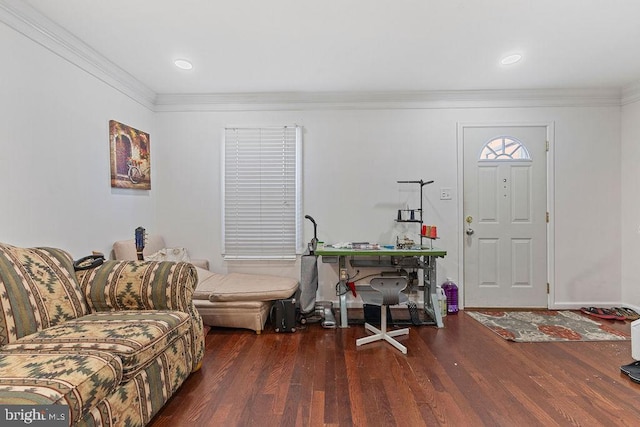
(504, 148)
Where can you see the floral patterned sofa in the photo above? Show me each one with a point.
(114, 343)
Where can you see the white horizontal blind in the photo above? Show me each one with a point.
(262, 193)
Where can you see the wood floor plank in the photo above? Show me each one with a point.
(462, 375)
(355, 392)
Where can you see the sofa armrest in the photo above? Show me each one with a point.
(146, 285)
(139, 285)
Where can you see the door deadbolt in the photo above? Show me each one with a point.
(469, 230)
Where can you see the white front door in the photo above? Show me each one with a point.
(505, 214)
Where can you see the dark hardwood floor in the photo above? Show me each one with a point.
(462, 375)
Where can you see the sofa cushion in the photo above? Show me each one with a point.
(38, 289)
(135, 402)
(208, 281)
(80, 379)
(136, 337)
(236, 314)
(243, 287)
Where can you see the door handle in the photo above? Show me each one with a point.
(469, 230)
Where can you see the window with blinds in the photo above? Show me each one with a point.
(262, 193)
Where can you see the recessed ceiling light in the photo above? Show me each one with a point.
(511, 59)
(183, 64)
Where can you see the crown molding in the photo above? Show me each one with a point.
(23, 18)
(388, 100)
(631, 93)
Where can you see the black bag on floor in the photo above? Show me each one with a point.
(372, 314)
(283, 315)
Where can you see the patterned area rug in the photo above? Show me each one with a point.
(546, 326)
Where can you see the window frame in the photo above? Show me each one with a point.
(253, 249)
(505, 156)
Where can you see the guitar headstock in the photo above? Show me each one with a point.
(140, 240)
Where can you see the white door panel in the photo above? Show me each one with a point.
(521, 194)
(505, 200)
(488, 195)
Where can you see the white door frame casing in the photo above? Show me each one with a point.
(550, 128)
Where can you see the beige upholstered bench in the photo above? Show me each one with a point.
(126, 250)
(238, 300)
(228, 300)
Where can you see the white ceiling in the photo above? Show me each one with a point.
(251, 46)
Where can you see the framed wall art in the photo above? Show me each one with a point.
(130, 157)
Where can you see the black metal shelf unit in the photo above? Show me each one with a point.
(419, 211)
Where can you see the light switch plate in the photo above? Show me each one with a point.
(445, 194)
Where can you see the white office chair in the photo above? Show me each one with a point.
(391, 289)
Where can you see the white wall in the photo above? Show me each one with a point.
(54, 153)
(587, 208)
(55, 190)
(631, 203)
(353, 158)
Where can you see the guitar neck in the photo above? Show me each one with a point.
(140, 238)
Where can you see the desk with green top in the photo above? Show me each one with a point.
(423, 259)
